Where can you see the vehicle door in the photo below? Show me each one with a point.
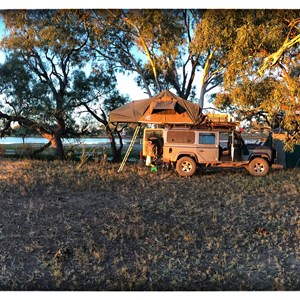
(153, 142)
(208, 146)
(237, 147)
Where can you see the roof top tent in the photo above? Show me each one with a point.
(164, 108)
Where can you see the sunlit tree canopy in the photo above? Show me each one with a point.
(246, 61)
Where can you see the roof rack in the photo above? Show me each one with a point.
(209, 121)
(222, 121)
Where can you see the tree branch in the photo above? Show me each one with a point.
(272, 59)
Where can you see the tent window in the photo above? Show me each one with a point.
(164, 112)
(181, 137)
(164, 107)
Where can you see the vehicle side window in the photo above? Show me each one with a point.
(182, 137)
(207, 138)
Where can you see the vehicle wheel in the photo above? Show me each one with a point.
(186, 166)
(258, 167)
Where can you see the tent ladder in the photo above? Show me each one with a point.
(137, 129)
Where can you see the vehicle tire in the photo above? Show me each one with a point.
(258, 167)
(186, 166)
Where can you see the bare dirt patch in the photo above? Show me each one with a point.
(63, 228)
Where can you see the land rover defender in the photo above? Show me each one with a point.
(187, 147)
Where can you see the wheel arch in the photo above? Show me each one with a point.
(263, 156)
(188, 154)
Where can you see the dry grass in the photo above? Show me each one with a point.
(64, 228)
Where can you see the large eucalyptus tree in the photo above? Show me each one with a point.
(49, 44)
(153, 44)
(262, 71)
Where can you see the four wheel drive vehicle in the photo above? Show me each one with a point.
(186, 148)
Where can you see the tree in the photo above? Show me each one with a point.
(215, 34)
(97, 94)
(48, 46)
(154, 44)
(292, 39)
(259, 34)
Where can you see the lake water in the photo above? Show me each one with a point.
(87, 141)
(40, 140)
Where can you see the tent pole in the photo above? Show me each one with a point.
(137, 129)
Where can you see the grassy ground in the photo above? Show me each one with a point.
(64, 228)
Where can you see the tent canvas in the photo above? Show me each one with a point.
(164, 108)
(129, 112)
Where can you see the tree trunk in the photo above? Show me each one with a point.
(53, 138)
(56, 145)
(116, 152)
(204, 77)
(58, 148)
(202, 93)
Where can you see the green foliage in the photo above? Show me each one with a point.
(47, 50)
(20, 131)
(254, 36)
(98, 88)
(154, 44)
